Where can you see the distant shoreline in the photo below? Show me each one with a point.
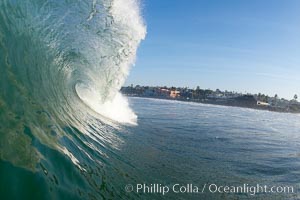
(213, 98)
(212, 104)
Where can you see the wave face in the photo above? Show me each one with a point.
(62, 63)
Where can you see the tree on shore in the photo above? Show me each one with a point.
(196, 93)
(275, 99)
(295, 97)
(267, 99)
(259, 96)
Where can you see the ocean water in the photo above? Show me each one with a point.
(178, 142)
(173, 143)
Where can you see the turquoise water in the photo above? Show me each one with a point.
(174, 142)
(62, 63)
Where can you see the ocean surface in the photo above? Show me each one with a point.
(173, 143)
(178, 142)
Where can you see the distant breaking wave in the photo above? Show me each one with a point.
(62, 64)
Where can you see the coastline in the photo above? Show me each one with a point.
(239, 103)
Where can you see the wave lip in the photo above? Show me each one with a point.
(100, 87)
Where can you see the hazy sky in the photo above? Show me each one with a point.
(240, 45)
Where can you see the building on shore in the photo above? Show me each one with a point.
(261, 103)
(174, 94)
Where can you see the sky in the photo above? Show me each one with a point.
(237, 45)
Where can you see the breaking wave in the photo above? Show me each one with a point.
(62, 63)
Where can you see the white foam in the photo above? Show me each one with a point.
(99, 88)
(116, 109)
(127, 13)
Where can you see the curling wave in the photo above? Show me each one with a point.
(62, 64)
